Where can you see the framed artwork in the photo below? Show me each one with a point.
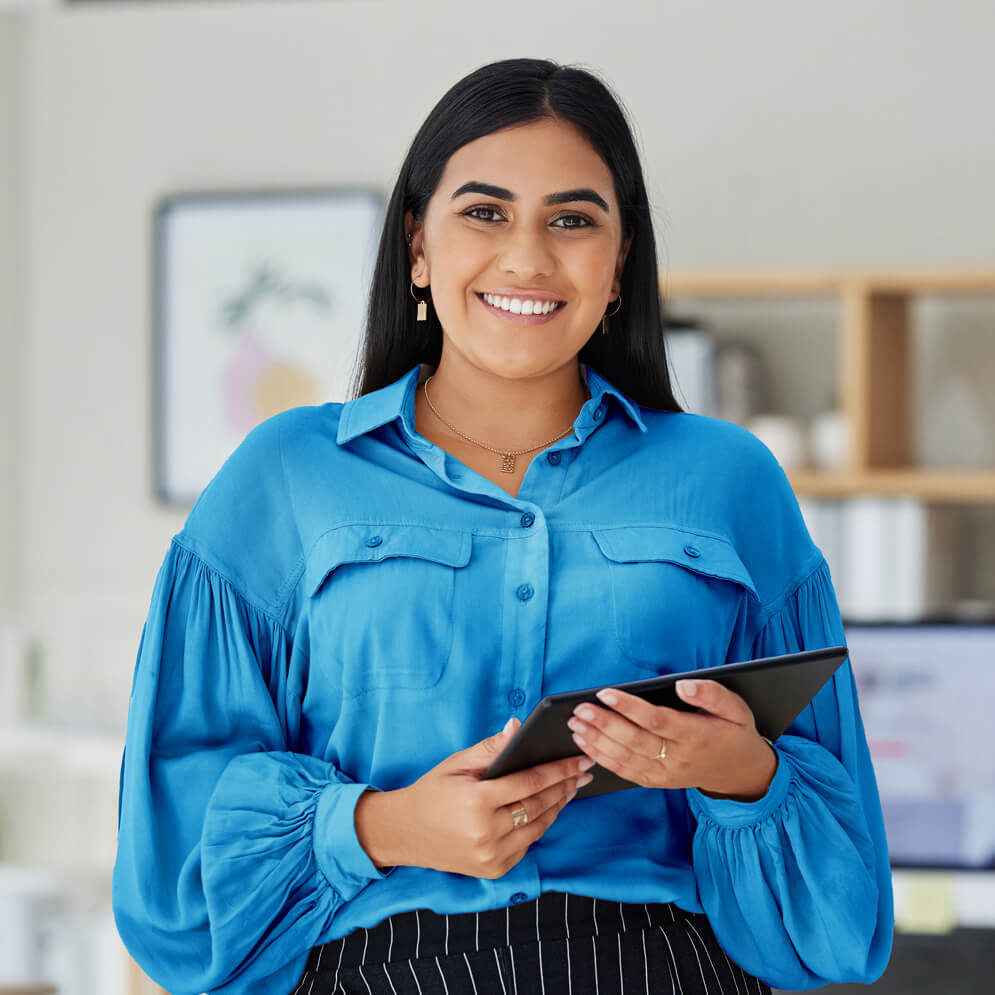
(260, 301)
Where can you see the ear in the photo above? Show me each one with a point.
(416, 254)
(620, 265)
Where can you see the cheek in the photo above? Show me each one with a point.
(456, 264)
(594, 268)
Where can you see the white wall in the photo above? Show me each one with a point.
(773, 133)
(11, 337)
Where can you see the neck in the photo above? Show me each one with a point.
(502, 412)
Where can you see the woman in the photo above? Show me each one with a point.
(512, 505)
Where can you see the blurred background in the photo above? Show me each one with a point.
(821, 176)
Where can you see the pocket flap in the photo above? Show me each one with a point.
(369, 543)
(703, 554)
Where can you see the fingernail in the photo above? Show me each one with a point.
(584, 779)
(585, 764)
(507, 726)
(688, 688)
(608, 697)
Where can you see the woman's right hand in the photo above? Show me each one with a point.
(455, 821)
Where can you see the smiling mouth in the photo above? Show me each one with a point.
(515, 305)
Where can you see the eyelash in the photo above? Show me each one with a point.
(588, 223)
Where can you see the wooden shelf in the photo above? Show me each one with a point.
(875, 374)
(946, 486)
(732, 283)
(825, 283)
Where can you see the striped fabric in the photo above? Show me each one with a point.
(556, 943)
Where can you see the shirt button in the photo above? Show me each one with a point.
(691, 550)
(374, 540)
(553, 458)
(525, 591)
(516, 697)
(519, 896)
(599, 412)
(527, 519)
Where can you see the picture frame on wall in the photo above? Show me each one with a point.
(259, 305)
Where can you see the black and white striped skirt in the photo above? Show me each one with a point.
(556, 943)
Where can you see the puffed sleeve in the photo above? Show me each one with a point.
(233, 853)
(797, 885)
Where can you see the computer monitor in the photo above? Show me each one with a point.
(927, 699)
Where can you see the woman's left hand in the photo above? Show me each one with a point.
(717, 750)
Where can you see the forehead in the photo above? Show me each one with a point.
(531, 160)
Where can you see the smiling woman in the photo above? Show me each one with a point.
(512, 504)
(529, 245)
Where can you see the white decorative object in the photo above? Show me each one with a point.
(690, 352)
(784, 436)
(739, 371)
(829, 440)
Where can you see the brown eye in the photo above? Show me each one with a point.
(584, 221)
(473, 212)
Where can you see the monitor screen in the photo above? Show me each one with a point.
(927, 699)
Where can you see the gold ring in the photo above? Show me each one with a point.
(520, 816)
(663, 750)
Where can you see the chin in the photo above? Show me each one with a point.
(521, 363)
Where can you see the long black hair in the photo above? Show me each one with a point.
(499, 95)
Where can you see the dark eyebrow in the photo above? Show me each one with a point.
(565, 197)
(584, 193)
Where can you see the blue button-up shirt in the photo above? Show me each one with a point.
(348, 604)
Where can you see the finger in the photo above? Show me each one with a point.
(659, 720)
(523, 837)
(524, 783)
(603, 726)
(715, 699)
(548, 801)
(613, 756)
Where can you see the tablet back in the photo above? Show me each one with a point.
(776, 688)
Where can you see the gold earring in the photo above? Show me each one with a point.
(606, 316)
(422, 305)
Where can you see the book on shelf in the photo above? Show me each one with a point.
(890, 558)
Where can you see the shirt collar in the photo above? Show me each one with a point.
(396, 400)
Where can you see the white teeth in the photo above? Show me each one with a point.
(518, 306)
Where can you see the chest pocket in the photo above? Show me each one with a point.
(381, 605)
(675, 595)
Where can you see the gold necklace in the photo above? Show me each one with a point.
(507, 456)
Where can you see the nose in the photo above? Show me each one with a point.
(525, 253)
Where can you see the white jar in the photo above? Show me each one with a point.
(829, 440)
(784, 436)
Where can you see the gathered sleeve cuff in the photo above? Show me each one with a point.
(234, 853)
(797, 884)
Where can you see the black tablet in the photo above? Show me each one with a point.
(776, 688)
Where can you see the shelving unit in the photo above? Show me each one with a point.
(875, 374)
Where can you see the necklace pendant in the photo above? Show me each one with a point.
(508, 463)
